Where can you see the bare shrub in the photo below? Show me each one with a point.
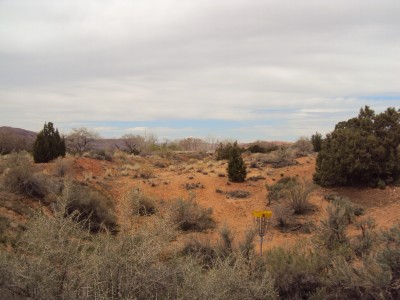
(256, 178)
(202, 251)
(368, 280)
(238, 194)
(302, 147)
(56, 258)
(89, 206)
(141, 204)
(231, 278)
(189, 215)
(226, 241)
(145, 172)
(99, 154)
(297, 272)
(192, 186)
(22, 180)
(283, 216)
(80, 140)
(62, 166)
(246, 246)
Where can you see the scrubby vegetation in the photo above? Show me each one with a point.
(93, 232)
(57, 257)
(189, 215)
(361, 151)
(224, 151)
(20, 177)
(140, 203)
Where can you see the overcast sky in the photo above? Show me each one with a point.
(242, 69)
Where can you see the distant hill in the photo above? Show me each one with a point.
(15, 139)
(18, 132)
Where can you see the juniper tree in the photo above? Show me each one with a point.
(236, 166)
(48, 144)
(361, 151)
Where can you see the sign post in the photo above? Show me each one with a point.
(262, 218)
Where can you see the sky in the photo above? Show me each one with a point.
(238, 69)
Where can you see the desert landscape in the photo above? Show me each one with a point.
(187, 205)
(199, 149)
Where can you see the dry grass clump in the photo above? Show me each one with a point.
(145, 172)
(296, 194)
(99, 154)
(256, 178)
(302, 147)
(189, 215)
(278, 190)
(62, 166)
(192, 186)
(141, 204)
(298, 197)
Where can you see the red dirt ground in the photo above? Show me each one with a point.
(166, 185)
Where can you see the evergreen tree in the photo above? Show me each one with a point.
(316, 140)
(48, 144)
(236, 167)
(361, 151)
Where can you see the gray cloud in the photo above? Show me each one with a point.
(81, 61)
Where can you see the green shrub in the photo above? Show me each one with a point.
(277, 191)
(332, 232)
(224, 151)
(351, 210)
(362, 245)
(316, 140)
(48, 144)
(389, 257)
(189, 215)
(298, 197)
(236, 166)
(256, 149)
(361, 151)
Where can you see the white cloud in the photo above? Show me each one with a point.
(102, 61)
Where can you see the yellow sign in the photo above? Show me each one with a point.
(262, 213)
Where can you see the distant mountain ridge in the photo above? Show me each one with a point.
(18, 132)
